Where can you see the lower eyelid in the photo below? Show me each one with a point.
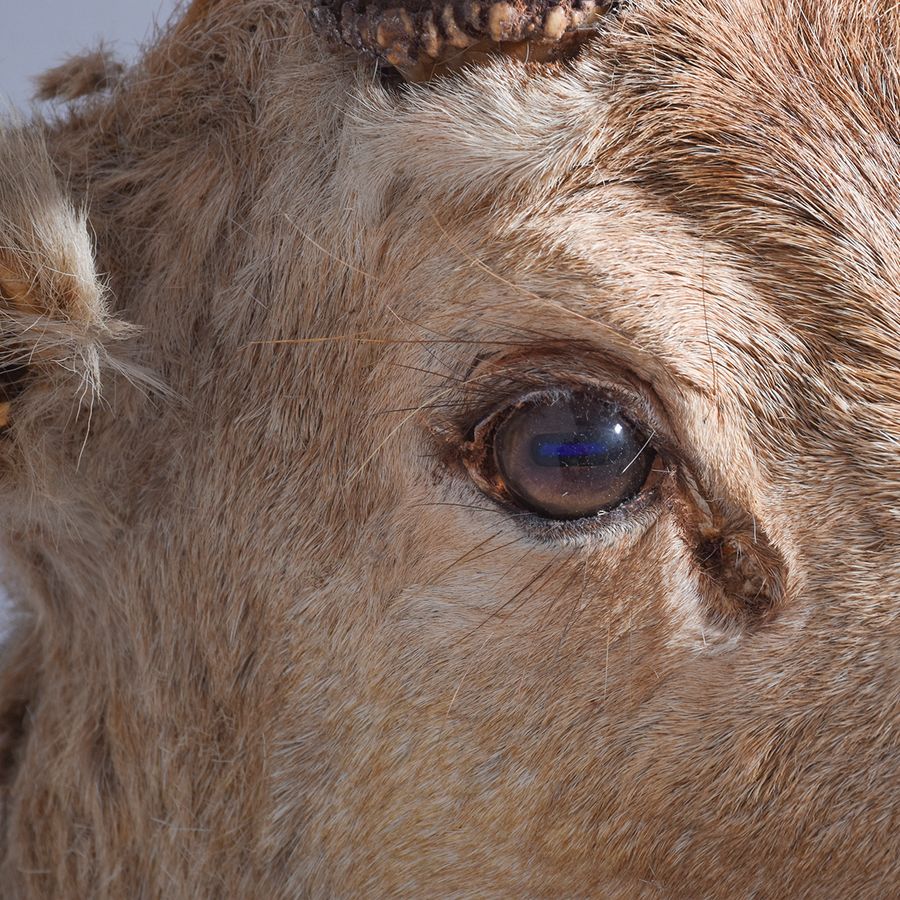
(630, 519)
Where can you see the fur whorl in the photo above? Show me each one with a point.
(423, 37)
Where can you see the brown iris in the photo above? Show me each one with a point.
(570, 455)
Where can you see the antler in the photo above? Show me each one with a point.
(422, 38)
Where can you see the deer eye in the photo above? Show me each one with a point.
(568, 455)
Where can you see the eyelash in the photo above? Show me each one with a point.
(631, 518)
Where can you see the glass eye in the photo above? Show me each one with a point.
(570, 455)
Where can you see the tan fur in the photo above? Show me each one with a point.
(79, 76)
(275, 641)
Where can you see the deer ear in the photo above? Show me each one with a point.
(54, 316)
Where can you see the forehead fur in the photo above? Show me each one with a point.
(768, 130)
(733, 102)
(765, 134)
(719, 109)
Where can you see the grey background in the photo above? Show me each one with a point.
(39, 34)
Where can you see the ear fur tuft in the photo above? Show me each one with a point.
(54, 312)
(78, 76)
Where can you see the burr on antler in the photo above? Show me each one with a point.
(422, 38)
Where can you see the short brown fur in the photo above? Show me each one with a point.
(273, 641)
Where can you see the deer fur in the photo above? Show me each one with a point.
(273, 642)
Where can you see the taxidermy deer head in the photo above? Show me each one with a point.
(451, 450)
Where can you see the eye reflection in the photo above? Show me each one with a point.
(571, 455)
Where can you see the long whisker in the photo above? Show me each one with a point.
(709, 343)
(327, 252)
(370, 340)
(472, 658)
(380, 446)
(638, 454)
(408, 326)
(465, 555)
(490, 509)
(479, 556)
(577, 609)
(457, 404)
(523, 291)
(559, 595)
(533, 585)
(468, 383)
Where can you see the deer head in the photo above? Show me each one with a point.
(452, 451)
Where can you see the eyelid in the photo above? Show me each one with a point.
(630, 518)
(511, 385)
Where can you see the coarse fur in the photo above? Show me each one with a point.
(274, 642)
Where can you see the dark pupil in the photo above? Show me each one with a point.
(569, 450)
(572, 456)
